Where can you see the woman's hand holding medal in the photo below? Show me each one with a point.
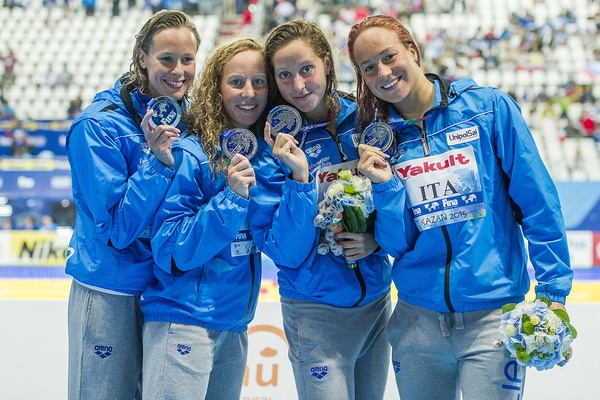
(285, 147)
(373, 164)
(240, 175)
(375, 141)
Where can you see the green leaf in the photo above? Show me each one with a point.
(544, 299)
(562, 314)
(573, 330)
(349, 189)
(508, 307)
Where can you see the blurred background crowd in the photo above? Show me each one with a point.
(56, 54)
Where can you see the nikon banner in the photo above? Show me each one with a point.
(39, 248)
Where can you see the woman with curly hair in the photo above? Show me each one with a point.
(121, 170)
(207, 268)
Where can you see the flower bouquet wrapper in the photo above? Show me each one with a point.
(347, 205)
(535, 335)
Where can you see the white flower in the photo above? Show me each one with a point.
(336, 189)
(360, 184)
(553, 322)
(511, 330)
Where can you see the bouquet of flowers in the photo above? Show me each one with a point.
(347, 205)
(535, 335)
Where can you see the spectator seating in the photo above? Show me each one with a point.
(96, 50)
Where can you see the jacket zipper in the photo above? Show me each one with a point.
(250, 300)
(363, 286)
(444, 232)
(359, 277)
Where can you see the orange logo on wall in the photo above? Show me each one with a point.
(268, 367)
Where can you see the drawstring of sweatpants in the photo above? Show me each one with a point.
(444, 318)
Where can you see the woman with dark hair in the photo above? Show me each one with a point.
(334, 307)
(121, 167)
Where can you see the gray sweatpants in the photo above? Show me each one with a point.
(184, 362)
(105, 345)
(338, 353)
(437, 355)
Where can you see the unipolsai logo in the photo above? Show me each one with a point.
(268, 370)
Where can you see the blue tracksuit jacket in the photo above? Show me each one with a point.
(117, 189)
(469, 187)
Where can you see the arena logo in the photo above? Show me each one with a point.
(103, 351)
(183, 349)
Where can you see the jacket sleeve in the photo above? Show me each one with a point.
(121, 198)
(198, 218)
(281, 213)
(534, 194)
(395, 231)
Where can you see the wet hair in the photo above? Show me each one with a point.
(164, 19)
(315, 38)
(206, 116)
(368, 103)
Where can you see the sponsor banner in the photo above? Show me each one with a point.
(269, 373)
(443, 189)
(48, 248)
(55, 185)
(581, 248)
(596, 249)
(43, 135)
(268, 370)
(38, 248)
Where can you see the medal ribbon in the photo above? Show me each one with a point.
(311, 127)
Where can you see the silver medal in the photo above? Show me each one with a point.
(378, 134)
(166, 111)
(284, 119)
(239, 141)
